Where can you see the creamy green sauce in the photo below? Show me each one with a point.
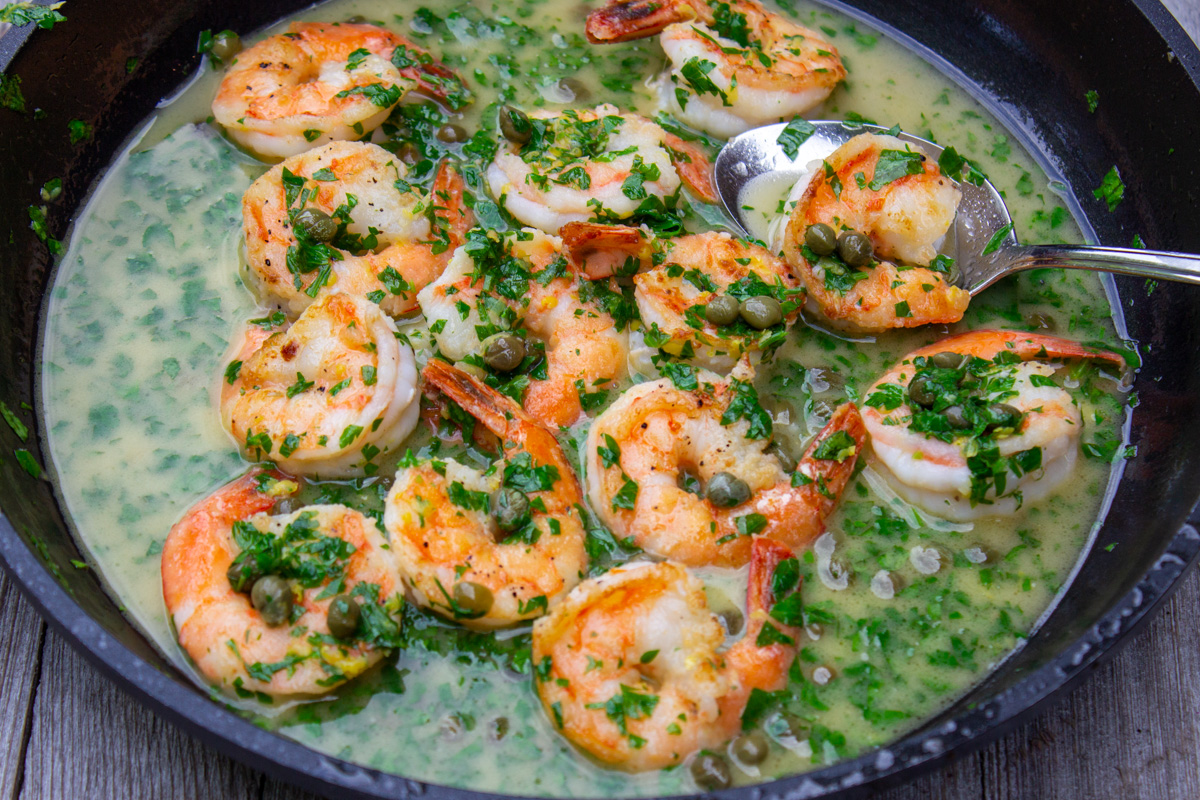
(148, 297)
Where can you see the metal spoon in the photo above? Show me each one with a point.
(981, 251)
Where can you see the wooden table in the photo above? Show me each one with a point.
(1131, 731)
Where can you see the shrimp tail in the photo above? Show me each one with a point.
(433, 77)
(693, 166)
(625, 20)
(452, 218)
(830, 459)
(764, 665)
(1028, 346)
(765, 556)
(599, 250)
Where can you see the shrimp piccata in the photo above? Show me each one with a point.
(523, 285)
(580, 165)
(630, 669)
(287, 649)
(326, 396)
(879, 187)
(976, 425)
(734, 65)
(321, 82)
(488, 548)
(678, 279)
(687, 474)
(369, 232)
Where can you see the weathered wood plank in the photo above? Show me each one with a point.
(20, 664)
(90, 740)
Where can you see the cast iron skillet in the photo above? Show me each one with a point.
(1033, 60)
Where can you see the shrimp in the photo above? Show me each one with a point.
(326, 395)
(899, 198)
(581, 165)
(651, 452)
(232, 533)
(734, 65)
(392, 238)
(678, 278)
(629, 665)
(975, 425)
(487, 571)
(323, 82)
(523, 284)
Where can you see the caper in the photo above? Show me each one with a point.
(731, 620)
(1040, 321)
(751, 748)
(242, 573)
(510, 507)
(726, 491)
(855, 249)
(947, 360)
(722, 310)
(455, 725)
(343, 616)
(1003, 415)
(226, 45)
(957, 418)
(578, 89)
(921, 391)
(451, 134)
(710, 772)
(761, 312)
(498, 728)
(788, 730)
(821, 239)
(471, 599)
(409, 153)
(515, 125)
(968, 381)
(786, 462)
(315, 225)
(357, 19)
(504, 352)
(272, 597)
(953, 274)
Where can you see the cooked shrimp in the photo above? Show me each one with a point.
(735, 65)
(585, 350)
(678, 278)
(899, 198)
(230, 641)
(325, 396)
(656, 439)
(582, 165)
(322, 82)
(391, 238)
(975, 425)
(629, 666)
(488, 570)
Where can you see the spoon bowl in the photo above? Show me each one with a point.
(981, 241)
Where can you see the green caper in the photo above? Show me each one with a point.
(761, 312)
(455, 725)
(471, 599)
(578, 89)
(504, 352)
(515, 125)
(710, 772)
(451, 134)
(957, 418)
(343, 616)
(922, 392)
(510, 507)
(242, 573)
(1039, 321)
(722, 310)
(726, 491)
(1003, 415)
(498, 728)
(731, 620)
(357, 19)
(968, 381)
(272, 597)
(947, 360)
(409, 153)
(751, 748)
(821, 239)
(855, 249)
(788, 730)
(786, 462)
(315, 225)
(226, 45)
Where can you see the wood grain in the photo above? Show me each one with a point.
(21, 644)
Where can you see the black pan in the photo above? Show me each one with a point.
(1030, 60)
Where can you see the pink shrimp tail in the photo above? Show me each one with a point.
(625, 20)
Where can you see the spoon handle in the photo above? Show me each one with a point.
(1182, 267)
